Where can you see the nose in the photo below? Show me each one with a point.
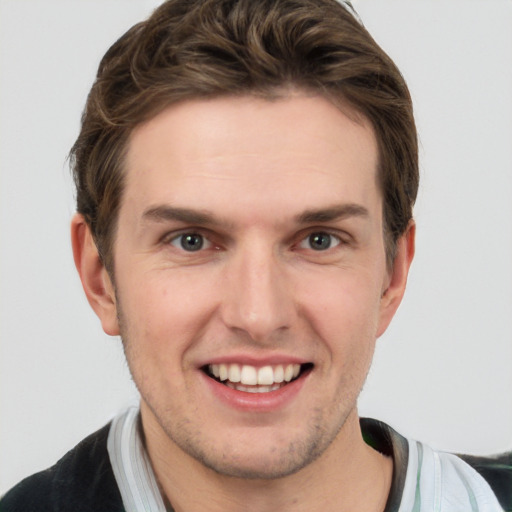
(258, 296)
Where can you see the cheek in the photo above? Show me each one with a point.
(344, 311)
(162, 312)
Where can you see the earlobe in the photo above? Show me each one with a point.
(96, 282)
(394, 291)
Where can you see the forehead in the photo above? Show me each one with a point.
(296, 150)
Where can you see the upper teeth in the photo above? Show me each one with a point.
(252, 376)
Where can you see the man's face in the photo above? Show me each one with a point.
(250, 245)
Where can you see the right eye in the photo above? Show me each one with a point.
(190, 242)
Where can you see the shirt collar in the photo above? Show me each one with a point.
(131, 466)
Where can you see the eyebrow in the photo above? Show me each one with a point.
(162, 213)
(333, 213)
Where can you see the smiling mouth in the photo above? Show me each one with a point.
(252, 379)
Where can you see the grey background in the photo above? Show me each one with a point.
(442, 372)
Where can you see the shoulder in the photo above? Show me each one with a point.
(497, 472)
(428, 479)
(477, 483)
(81, 481)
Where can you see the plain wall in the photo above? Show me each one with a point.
(442, 372)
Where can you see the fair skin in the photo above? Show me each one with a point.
(251, 234)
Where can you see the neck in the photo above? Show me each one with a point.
(348, 476)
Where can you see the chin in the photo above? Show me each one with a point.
(259, 458)
(269, 467)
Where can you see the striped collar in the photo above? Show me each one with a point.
(130, 463)
(442, 481)
(426, 480)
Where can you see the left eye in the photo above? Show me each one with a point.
(190, 242)
(319, 241)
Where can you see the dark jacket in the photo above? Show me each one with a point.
(82, 481)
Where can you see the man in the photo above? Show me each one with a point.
(245, 179)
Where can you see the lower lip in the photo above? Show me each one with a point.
(256, 402)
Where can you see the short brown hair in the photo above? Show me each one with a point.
(206, 48)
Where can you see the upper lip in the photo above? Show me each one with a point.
(251, 360)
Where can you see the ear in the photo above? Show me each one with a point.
(397, 278)
(96, 282)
